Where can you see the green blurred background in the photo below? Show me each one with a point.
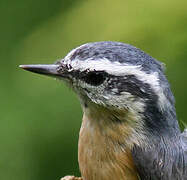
(39, 117)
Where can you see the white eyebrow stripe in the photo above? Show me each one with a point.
(120, 69)
(114, 68)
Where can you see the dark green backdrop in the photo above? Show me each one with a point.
(40, 117)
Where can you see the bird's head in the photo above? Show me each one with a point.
(117, 77)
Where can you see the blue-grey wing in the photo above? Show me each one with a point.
(184, 144)
(184, 149)
(163, 161)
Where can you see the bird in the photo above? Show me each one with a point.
(129, 127)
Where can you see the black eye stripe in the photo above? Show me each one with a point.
(131, 84)
(127, 83)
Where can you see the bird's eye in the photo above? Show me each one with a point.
(95, 78)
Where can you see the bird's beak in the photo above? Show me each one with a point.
(45, 69)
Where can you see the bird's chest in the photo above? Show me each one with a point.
(100, 157)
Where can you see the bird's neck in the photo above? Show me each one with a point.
(105, 144)
(162, 152)
(111, 142)
(159, 121)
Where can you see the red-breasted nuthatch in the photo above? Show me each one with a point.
(129, 129)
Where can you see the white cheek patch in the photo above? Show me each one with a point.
(119, 69)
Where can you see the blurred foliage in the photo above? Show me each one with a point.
(40, 118)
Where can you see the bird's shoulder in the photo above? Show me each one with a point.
(164, 160)
(184, 142)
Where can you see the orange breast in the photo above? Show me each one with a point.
(101, 155)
